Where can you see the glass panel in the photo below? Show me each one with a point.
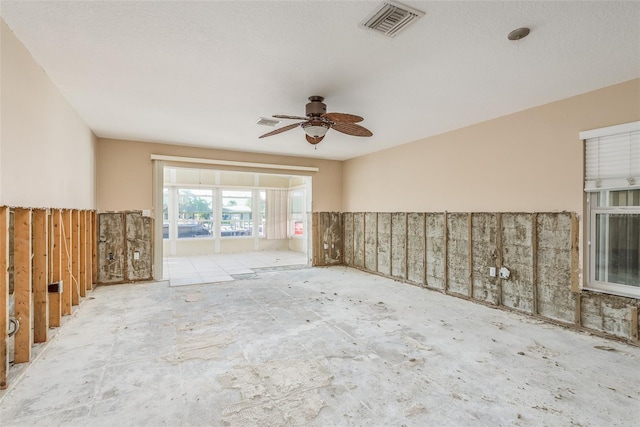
(195, 213)
(617, 255)
(624, 198)
(263, 212)
(297, 212)
(165, 213)
(237, 213)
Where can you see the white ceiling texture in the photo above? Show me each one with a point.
(202, 73)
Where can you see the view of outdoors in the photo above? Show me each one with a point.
(198, 216)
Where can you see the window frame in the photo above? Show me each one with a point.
(594, 209)
(597, 194)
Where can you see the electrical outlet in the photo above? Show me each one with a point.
(492, 271)
(136, 255)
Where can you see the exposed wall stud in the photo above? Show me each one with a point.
(4, 295)
(534, 262)
(470, 246)
(376, 270)
(82, 242)
(634, 324)
(22, 250)
(75, 258)
(406, 246)
(40, 276)
(94, 247)
(445, 279)
(55, 299)
(65, 229)
(499, 258)
(424, 272)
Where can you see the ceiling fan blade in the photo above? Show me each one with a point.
(314, 141)
(352, 129)
(283, 116)
(277, 131)
(342, 117)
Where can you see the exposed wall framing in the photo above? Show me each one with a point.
(453, 253)
(124, 247)
(41, 247)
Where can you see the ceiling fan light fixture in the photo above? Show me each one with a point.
(315, 128)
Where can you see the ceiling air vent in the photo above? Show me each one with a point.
(391, 17)
(268, 122)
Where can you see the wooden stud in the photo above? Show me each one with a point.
(55, 299)
(65, 228)
(94, 247)
(406, 246)
(575, 261)
(499, 260)
(4, 296)
(82, 243)
(534, 261)
(390, 244)
(315, 233)
(22, 284)
(634, 324)
(75, 258)
(40, 276)
(87, 250)
(376, 242)
(424, 269)
(353, 239)
(470, 243)
(446, 253)
(364, 241)
(577, 315)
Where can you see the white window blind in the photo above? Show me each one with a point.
(612, 157)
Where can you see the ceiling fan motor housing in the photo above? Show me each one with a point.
(316, 107)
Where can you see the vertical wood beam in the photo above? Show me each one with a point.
(353, 239)
(376, 242)
(4, 295)
(406, 246)
(87, 250)
(22, 284)
(499, 260)
(575, 266)
(65, 227)
(94, 247)
(40, 275)
(534, 261)
(470, 243)
(424, 272)
(634, 324)
(82, 244)
(55, 299)
(575, 247)
(446, 253)
(75, 257)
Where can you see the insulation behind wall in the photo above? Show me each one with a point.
(462, 253)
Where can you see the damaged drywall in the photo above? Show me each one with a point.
(384, 244)
(124, 247)
(464, 253)
(415, 248)
(328, 241)
(399, 245)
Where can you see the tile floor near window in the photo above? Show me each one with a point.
(182, 271)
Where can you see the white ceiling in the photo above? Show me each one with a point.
(202, 73)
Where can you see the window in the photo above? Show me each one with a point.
(612, 184)
(296, 212)
(237, 213)
(195, 213)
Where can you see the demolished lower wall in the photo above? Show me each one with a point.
(453, 253)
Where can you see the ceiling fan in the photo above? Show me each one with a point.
(318, 122)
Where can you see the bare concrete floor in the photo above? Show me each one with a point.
(321, 346)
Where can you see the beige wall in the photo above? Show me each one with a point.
(527, 161)
(46, 150)
(124, 172)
